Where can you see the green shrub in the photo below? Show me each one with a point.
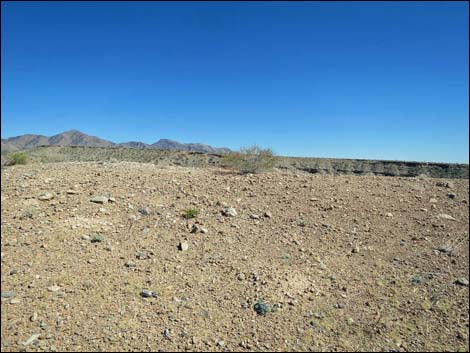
(252, 159)
(97, 238)
(190, 213)
(18, 158)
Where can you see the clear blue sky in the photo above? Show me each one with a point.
(379, 80)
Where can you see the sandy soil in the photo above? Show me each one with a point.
(340, 262)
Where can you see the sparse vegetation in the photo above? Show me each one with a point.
(252, 159)
(97, 238)
(163, 158)
(18, 158)
(190, 213)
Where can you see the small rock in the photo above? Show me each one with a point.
(45, 196)
(229, 212)
(86, 237)
(462, 282)
(355, 250)
(15, 301)
(167, 333)
(34, 317)
(130, 264)
(145, 211)
(148, 294)
(72, 192)
(204, 230)
(445, 249)
(446, 216)
(53, 288)
(183, 246)
(267, 215)
(111, 199)
(143, 254)
(389, 214)
(261, 308)
(99, 199)
(254, 216)
(241, 276)
(432, 200)
(8, 294)
(31, 339)
(339, 306)
(451, 195)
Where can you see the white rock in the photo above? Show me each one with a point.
(99, 199)
(31, 339)
(45, 196)
(446, 216)
(184, 246)
(53, 288)
(229, 212)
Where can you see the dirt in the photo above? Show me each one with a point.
(310, 262)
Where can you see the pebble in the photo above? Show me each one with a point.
(446, 216)
(53, 288)
(31, 339)
(8, 294)
(72, 192)
(167, 333)
(462, 282)
(451, 195)
(254, 216)
(389, 214)
(34, 317)
(99, 199)
(183, 246)
(15, 301)
(46, 196)
(229, 212)
(445, 249)
(130, 264)
(145, 211)
(148, 294)
(261, 308)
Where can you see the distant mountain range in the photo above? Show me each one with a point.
(77, 138)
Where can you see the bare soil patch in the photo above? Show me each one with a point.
(339, 262)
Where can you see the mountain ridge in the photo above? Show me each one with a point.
(77, 138)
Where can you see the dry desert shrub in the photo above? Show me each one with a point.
(252, 159)
(16, 158)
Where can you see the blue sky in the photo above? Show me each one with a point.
(377, 80)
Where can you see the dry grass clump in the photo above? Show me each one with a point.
(252, 159)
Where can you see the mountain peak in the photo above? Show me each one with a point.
(75, 137)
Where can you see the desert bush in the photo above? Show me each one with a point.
(252, 159)
(18, 158)
(190, 213)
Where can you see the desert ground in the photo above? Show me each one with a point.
(307, 262)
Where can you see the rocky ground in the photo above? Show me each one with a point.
(306, 261)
